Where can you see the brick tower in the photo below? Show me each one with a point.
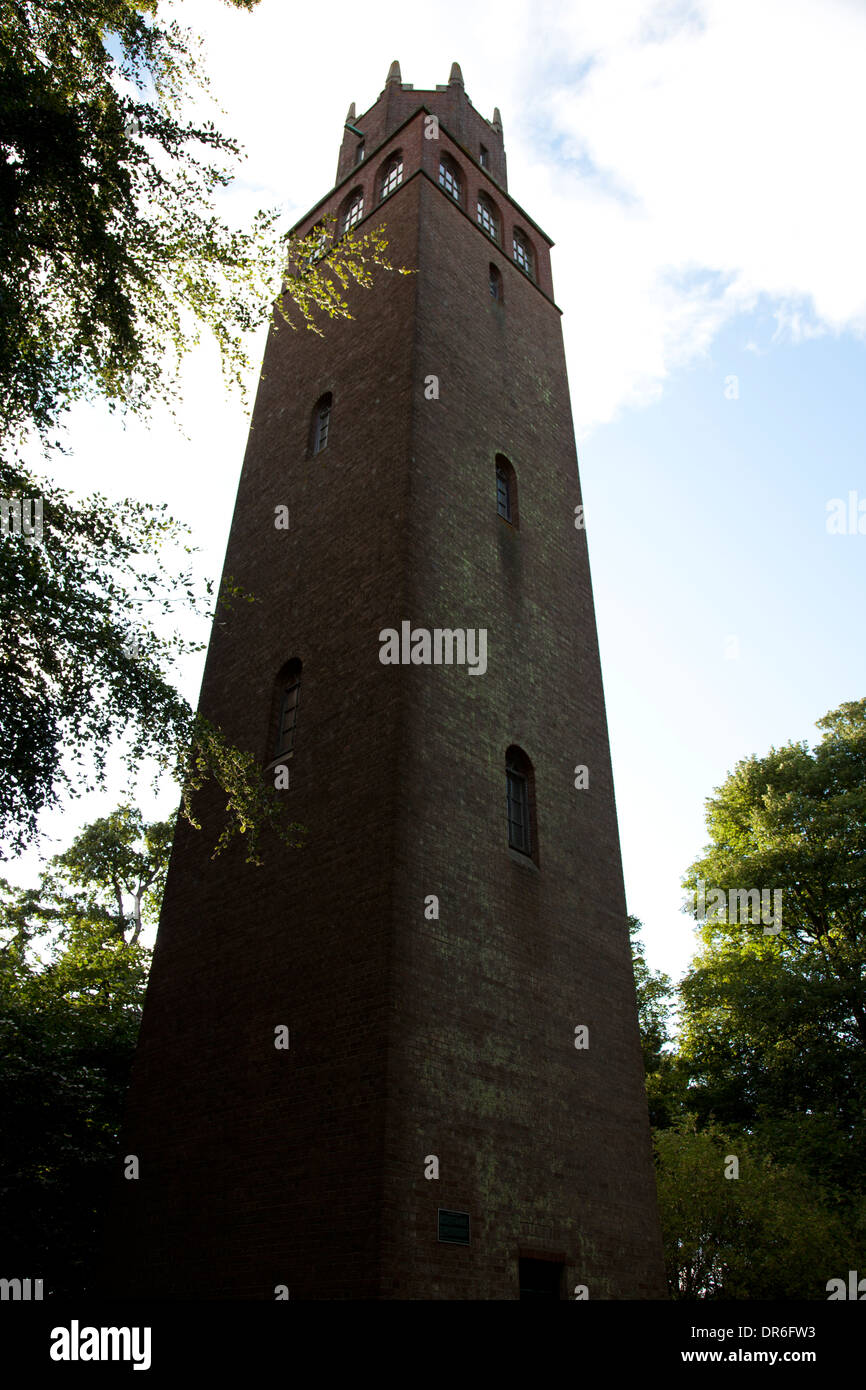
(460, 1110)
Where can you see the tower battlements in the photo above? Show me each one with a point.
(480, 139)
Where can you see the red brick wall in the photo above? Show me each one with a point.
(419, 152)
(546, 1146)
(408, 1037)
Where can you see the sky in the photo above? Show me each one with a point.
(700, 170)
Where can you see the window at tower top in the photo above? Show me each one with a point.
(359, 152)
(484, 157)
(488, 217)
(391, 176)
(523, 252)
(353, 210)
(316, 244)
(449, 177)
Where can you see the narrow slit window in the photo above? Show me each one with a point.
(506, 491)
(288, 719)
(321, 423)
(284, 710)
(519, 836)
(503, 493)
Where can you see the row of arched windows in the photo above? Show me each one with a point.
(487, 214)
(389, 177)
(519, 776)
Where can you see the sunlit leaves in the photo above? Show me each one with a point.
(113, 256)
(81, 658)
(113, 261)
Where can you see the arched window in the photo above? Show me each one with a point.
(321, 423)
(488, 217)
(316, 242)
(506, 490)
(523, 252)
(287, 698)
(520, 801)
(353, 210)
(449, 177)
(495, 284)
(391, 176)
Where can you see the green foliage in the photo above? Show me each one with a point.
(113, 258)
(113, 261)
(323, 264)
(251, 807)
(771, 1063)
(82, 663)
(72, 979)
(774, 1026)
(114, 873)
(665, 1080)
(80, 659)
(654, 994)
(795, 820)
(770, 1233)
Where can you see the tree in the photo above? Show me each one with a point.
(655, 997)
(112, 255)
(754, 1231)
(654, 991)
(774, 1023)
(73, 971)
(113, 260)
(82, 662)
(770, 1066)
(114, 873)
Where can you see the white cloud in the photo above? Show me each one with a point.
(653, 141)
(724, 136)
(792, 326)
